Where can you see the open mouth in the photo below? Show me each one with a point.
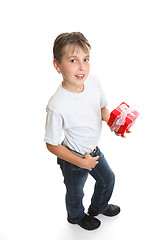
(80, 76)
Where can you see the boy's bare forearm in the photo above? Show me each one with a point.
(105, 114)
(63, 153)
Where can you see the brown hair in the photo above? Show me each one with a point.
(74, 38)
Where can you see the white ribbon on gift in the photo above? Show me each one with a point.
(125, 111)
(120, 119)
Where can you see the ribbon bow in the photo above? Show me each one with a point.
(124, 112)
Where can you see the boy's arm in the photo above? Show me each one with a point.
(105, 114)
(88, 162)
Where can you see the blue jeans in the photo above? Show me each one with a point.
(74, 180)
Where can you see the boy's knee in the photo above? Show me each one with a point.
(110, 179)
(113, 177)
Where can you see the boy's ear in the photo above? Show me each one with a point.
(56, 65)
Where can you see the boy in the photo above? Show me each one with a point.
(78, 108)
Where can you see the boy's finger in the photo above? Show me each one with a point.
(123, 136)
(112, 129)
(118, 134)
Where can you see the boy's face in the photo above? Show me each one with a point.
(74, 67)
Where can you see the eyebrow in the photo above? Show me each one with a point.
(76, 56)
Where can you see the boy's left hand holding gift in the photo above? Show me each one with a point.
(121, 119)
(119, 134)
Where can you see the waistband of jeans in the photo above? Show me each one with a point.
(79, 154)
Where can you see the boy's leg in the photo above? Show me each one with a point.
(74, 179)
(104, 185)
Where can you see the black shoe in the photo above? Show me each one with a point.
(111, 211)
(87, 222)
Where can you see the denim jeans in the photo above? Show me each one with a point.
(74, 180)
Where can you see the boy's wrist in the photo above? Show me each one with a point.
(106, 119)
(105, 114)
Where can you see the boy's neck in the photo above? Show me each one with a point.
(71, 88)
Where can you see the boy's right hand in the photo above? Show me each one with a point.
(90, 162)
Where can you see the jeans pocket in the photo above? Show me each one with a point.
(75, 168)
(79, 171)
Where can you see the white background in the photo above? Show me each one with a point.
(125, 37)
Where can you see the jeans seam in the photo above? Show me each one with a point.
(104, 185)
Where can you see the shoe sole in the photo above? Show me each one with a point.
(89, 229)
(108, 215)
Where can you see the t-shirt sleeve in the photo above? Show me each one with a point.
(53, 130)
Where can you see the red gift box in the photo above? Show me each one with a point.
(122, 118)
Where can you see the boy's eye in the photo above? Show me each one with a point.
(86, 60)
(73, 60)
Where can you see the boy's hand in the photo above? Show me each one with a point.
(118, 134)
(90, 162)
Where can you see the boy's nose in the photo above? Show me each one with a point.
(81, 66)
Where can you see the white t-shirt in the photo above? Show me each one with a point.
(78, 115)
